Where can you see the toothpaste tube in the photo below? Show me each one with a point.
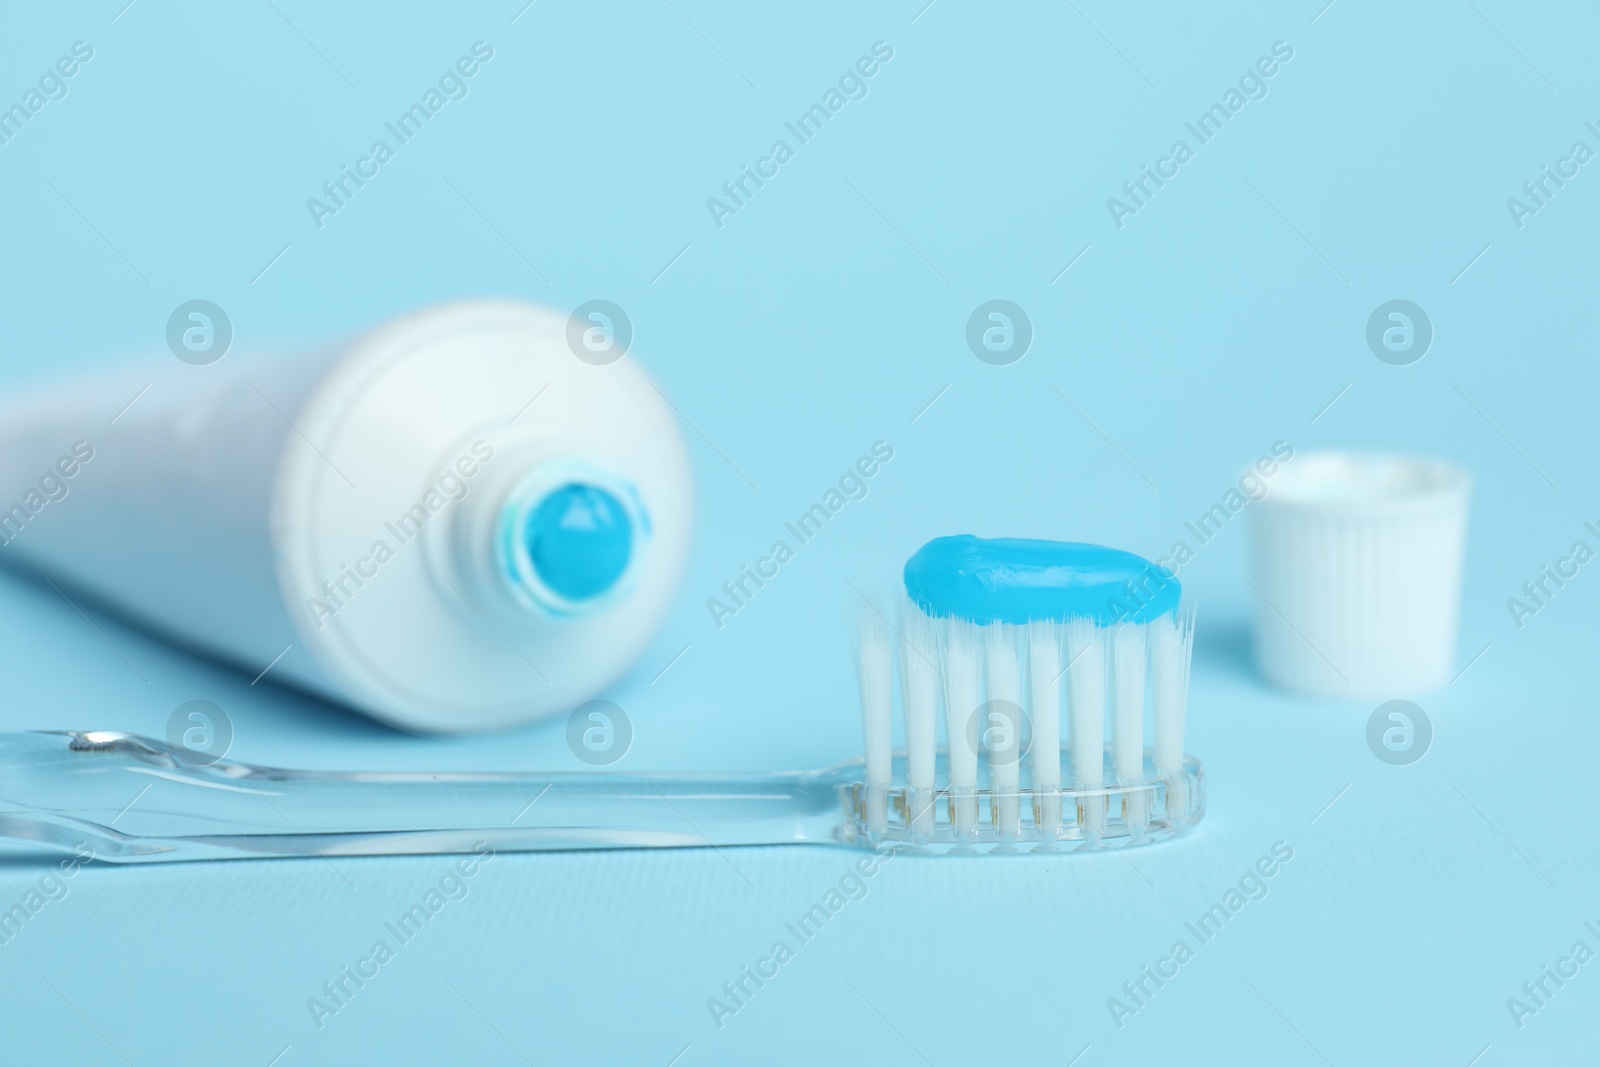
(454, 522)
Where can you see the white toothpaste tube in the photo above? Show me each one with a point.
(452, 523)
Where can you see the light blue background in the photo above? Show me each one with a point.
(824, 317)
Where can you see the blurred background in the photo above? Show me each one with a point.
(1171, 347)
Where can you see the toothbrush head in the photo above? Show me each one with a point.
(1009, 637)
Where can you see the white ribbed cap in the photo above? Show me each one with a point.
(1357, 561)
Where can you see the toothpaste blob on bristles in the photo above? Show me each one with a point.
(1015, 580)
(1020, 634)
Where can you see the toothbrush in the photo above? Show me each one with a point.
(126, 798)
(129, 799)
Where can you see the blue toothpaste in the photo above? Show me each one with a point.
(1018, 580)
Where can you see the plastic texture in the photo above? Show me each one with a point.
(1357, 561)
(65, 791)
(1022, 817)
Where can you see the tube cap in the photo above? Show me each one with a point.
(1357, 561)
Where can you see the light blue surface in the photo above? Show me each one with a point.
(830, 312)
(1019, 580)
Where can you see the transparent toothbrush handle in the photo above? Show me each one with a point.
(132, 799)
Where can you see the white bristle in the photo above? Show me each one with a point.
(1044, 701)
(1127, 700)
(1086, 702)
(1128, 663)
(1086, 699)
(1044, 705)
(1171, 649)
(1001, 728)
(961, 698)
(1001, 732)
(919, 691)
(876, 673)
